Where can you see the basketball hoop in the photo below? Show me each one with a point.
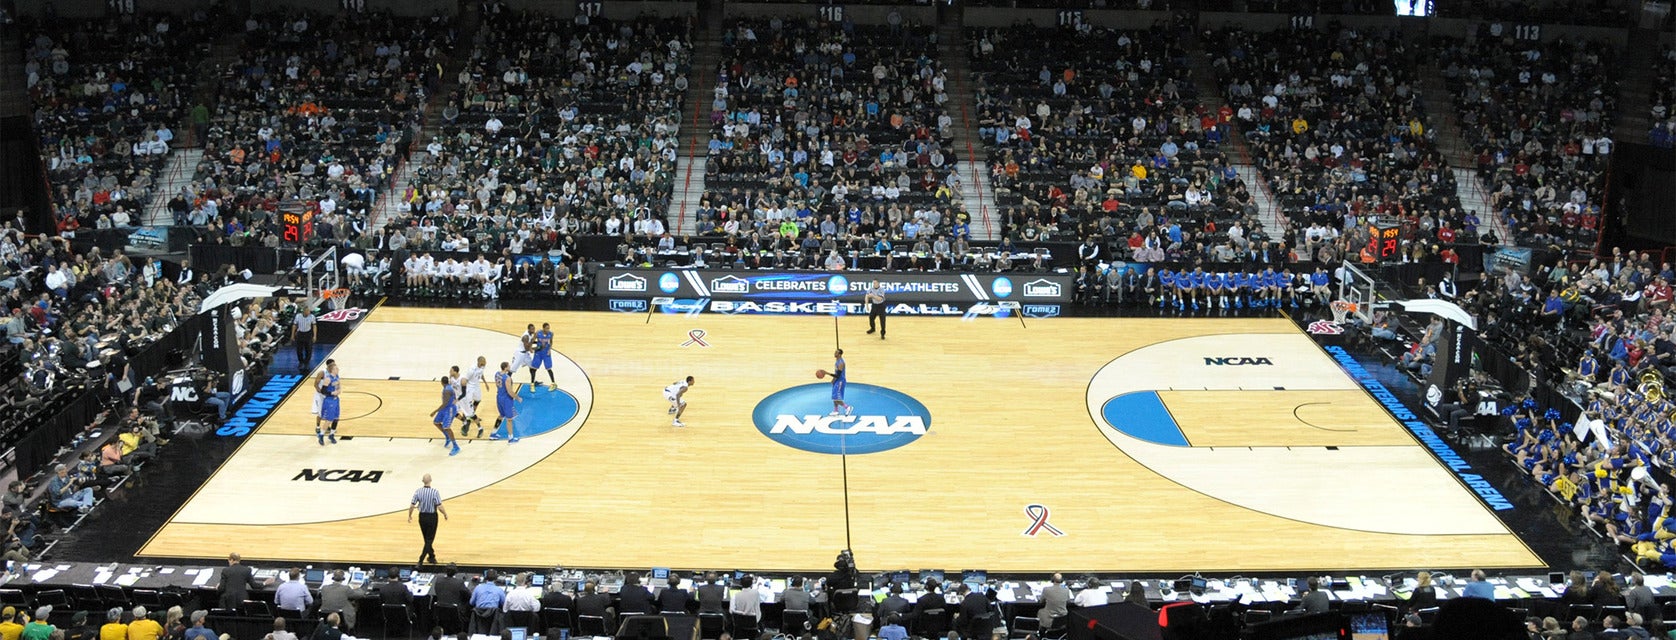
(1342, 309)
(333, 294)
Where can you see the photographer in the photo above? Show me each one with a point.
(66, 493)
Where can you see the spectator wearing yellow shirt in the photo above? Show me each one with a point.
(113, 628)
(144, 628)
(1299, 125)
(1138, 170)
(10, 628)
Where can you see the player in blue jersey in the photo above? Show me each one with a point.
(1199, 286)
(1318, 286)
(543, 358)
(838, 380)
(1239, 284)
(443, 416)
(1289, 287)
(1184, 288)
(328, 385)
(1166, 287)
(1216, 284)
(1267, 283)
(506, 399)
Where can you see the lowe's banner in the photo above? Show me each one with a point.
(717, 284)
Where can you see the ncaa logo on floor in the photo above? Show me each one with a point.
(883, 419)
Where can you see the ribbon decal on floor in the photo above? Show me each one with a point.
(1039, 521)
(696, 336)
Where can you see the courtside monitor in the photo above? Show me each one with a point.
(518, 633)
(975, 577)
(931, 574)
(1372, 625)
(538, 580)
(314, 576)
(902, 577)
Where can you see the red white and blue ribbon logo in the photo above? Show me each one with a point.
(1039, 521)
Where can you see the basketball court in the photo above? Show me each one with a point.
(1138, 445)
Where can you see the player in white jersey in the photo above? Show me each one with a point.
(471, 387)
(526, 349)
(676, 394)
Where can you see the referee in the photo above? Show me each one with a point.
(302, 337)
(429, 504)
(876, 308)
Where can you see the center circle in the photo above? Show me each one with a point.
(801, 418)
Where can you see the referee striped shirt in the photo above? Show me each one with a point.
(427, 499)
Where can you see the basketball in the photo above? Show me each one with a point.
(820, 374)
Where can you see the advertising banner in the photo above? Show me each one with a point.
(1045, 288)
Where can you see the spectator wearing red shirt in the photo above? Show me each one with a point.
(1657, 293)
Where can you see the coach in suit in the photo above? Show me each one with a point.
(1055, 597)
(634, 598)
(712, 595)
(236, 582)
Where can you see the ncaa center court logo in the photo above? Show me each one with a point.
(838, 285)
(883, 419)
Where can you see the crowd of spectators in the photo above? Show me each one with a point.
(107, 96)
(1336, 127)
(829, 139)
(1663, 101)
(72, 322)
(1538, 116)
(1601, 333)
(559, 128)
(1099, 135)
(316, 114)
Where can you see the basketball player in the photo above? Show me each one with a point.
(506, 397)
(526, 347)
(676, 395)
(443, 417)
(1197, 278)
(1217, 284)
(837, 375)
(543, 355)
(327, 385)
(1240, 283)
(1166, 287)
(471, 387)
(1184, 290)
(1318, 286)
